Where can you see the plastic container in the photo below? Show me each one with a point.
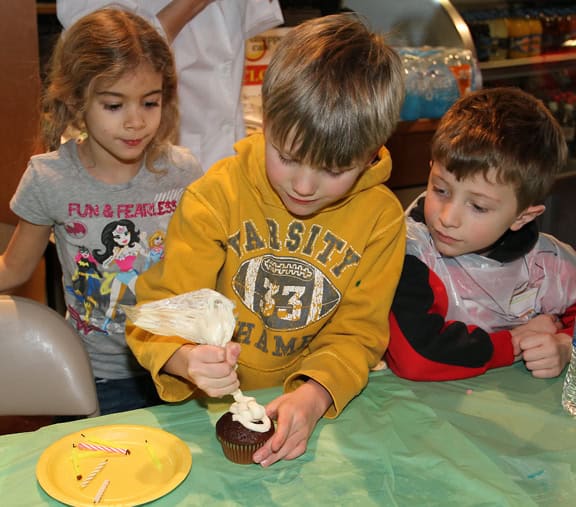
(435, 78)
(411, 108)
(569, 388)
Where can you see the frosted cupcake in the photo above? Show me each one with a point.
(243, 430)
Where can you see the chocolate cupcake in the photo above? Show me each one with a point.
(238, 442)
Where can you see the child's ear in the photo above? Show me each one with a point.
(526, 216)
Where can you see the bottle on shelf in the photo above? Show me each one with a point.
(415, 87)
(498, 35)
(479, 26)
(461, 64)
(442, 89)
(480, 31)
(518, 35)
(535, 33)
(549, 21)
(571, 41)
(569, 388)
(565, 27)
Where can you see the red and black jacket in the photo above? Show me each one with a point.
(424, 345)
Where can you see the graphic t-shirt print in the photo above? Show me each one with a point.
(105, 276)
(287, 290)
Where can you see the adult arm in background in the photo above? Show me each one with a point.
(177, 13)
(172, 17)
(425, 346)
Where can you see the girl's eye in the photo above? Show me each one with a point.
(149, 104)
(112, 107)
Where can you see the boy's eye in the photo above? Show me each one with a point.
(335, 172)
(479, 209)
(285, 160)
(439, 190)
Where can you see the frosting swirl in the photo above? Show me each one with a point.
(249, 413)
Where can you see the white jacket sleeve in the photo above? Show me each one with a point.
(69, 11)
(261, 15)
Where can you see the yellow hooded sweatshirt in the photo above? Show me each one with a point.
(312, 294)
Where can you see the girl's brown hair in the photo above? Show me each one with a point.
(102, 47)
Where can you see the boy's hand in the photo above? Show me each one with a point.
(541, 324)
(209, 367)
(297, 414)
(546, 354)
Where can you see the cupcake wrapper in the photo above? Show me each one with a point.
(241, 454)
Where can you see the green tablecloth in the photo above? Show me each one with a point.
(501, 439)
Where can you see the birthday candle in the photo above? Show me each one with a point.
(86, 446)
(74, 459)
(100, 493)
(153, 455)
(93, 473)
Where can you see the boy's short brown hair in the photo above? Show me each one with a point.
(332, 92)
(505, 129)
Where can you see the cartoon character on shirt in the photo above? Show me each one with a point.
(122, 249)
(155, 248)
(86, 281)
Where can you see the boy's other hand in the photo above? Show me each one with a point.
(541, 324)
(297, 414)
(546, 354)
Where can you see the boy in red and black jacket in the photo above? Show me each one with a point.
(480, 286)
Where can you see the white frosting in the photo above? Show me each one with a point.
(249, 413)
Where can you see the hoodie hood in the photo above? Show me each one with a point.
(252, 155)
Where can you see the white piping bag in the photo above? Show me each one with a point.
(205, 317)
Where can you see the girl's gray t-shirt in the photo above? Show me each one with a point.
(105, 235)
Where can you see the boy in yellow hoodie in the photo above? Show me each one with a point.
(299, 231)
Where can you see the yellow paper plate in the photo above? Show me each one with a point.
(158, 461)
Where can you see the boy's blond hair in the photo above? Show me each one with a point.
(506, 130)
(332, 92)
(101, 48)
